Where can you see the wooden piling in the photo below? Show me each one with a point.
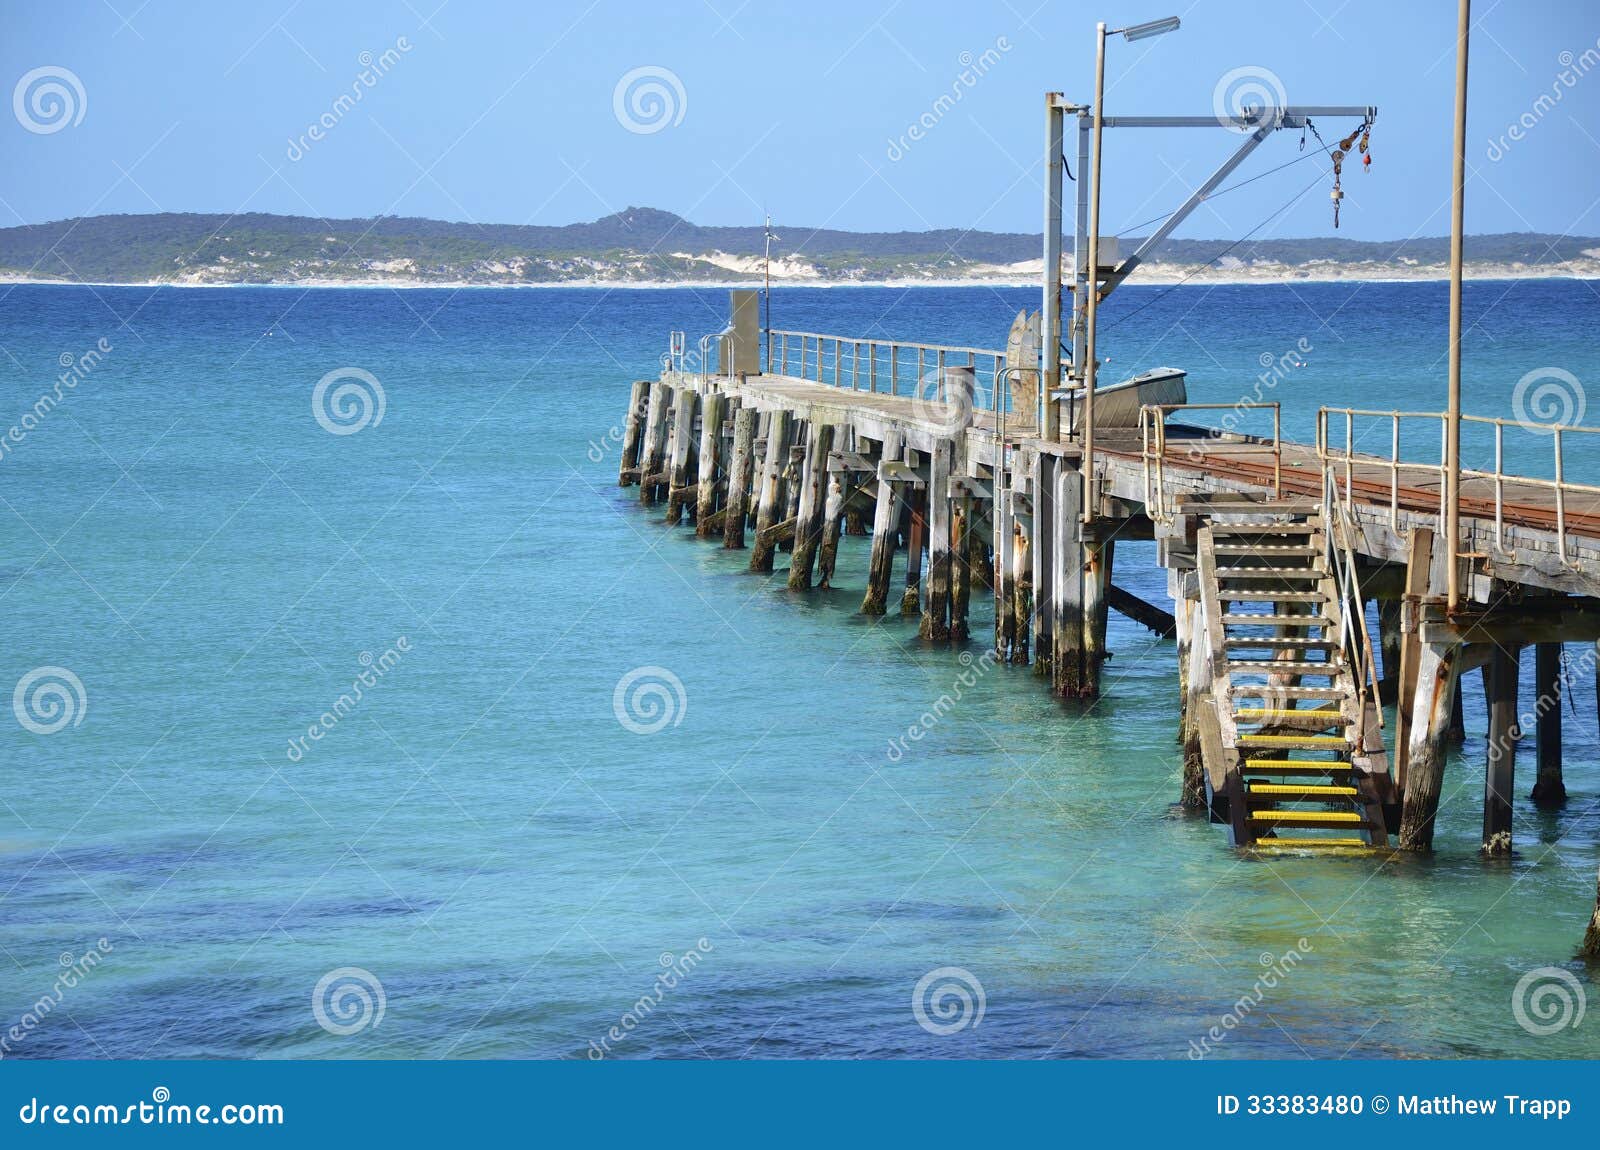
(1067, 578)
(1437, 672)
(711, 413)
(1499, 777)
(1549, 788)
(739, 472)
(936, 611)
(885, 528)
(1005, 624)
(1042, 471)
(655, 443)
(1197, 695)
(832, 517)
(916, 540)
(1096, 605)
(1591, 937)
(771, 490)
(632, 433)
(683, 410)
(811, 505)
(1021, 594)
(960, 570)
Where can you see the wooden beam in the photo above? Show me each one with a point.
(1148, 614)
(885, 528)
(739, 473)
(771, 491)
(633, 432)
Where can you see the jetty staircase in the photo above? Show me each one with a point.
(1289, 723)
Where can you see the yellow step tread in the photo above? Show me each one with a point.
(1275, 845)
(1328, 817)
(1304, 790)
(1296, 765)
(1294, 740)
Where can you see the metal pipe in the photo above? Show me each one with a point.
(1050, 323)
(1092, 303)
(1452, 512)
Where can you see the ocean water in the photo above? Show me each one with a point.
(521, 873)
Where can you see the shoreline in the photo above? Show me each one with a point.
(1149, 278)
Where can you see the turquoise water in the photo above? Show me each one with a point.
(516, 868)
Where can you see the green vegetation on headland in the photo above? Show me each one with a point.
(642, 245)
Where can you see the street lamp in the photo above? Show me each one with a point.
(1131, 33)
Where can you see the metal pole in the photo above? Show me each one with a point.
(1088, 366)
(1452, 478)
(1080, 247)
(1050, 324)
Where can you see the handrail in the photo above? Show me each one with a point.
(1154, 415)
(881, 365)
(1332, 458)
(1354, 637)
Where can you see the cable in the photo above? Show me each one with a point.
(1222, 192)
(1202, 267)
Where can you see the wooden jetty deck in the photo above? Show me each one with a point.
(1274, 551)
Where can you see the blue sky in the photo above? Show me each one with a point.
(507, 112)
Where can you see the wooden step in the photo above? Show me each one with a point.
(1331, 668)
(1228, 596)
(1295, 767)
(1254, 529)
(1268, 550)
(1284, 573)
(1328, 718)
(1299, 742)
(1294, 643)
(1261, 691)
(1268, 619)
(1330, 845)
(1296, 792)
(1253, 506)
(1308, 818)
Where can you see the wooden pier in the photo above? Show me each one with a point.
(1273, 551)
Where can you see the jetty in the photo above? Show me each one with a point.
(1010, 471)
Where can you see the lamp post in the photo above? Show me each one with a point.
(1091, 304)
(1452, 449)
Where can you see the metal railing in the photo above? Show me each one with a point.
(1153, 447)
(1344, 459)
(888, 367)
